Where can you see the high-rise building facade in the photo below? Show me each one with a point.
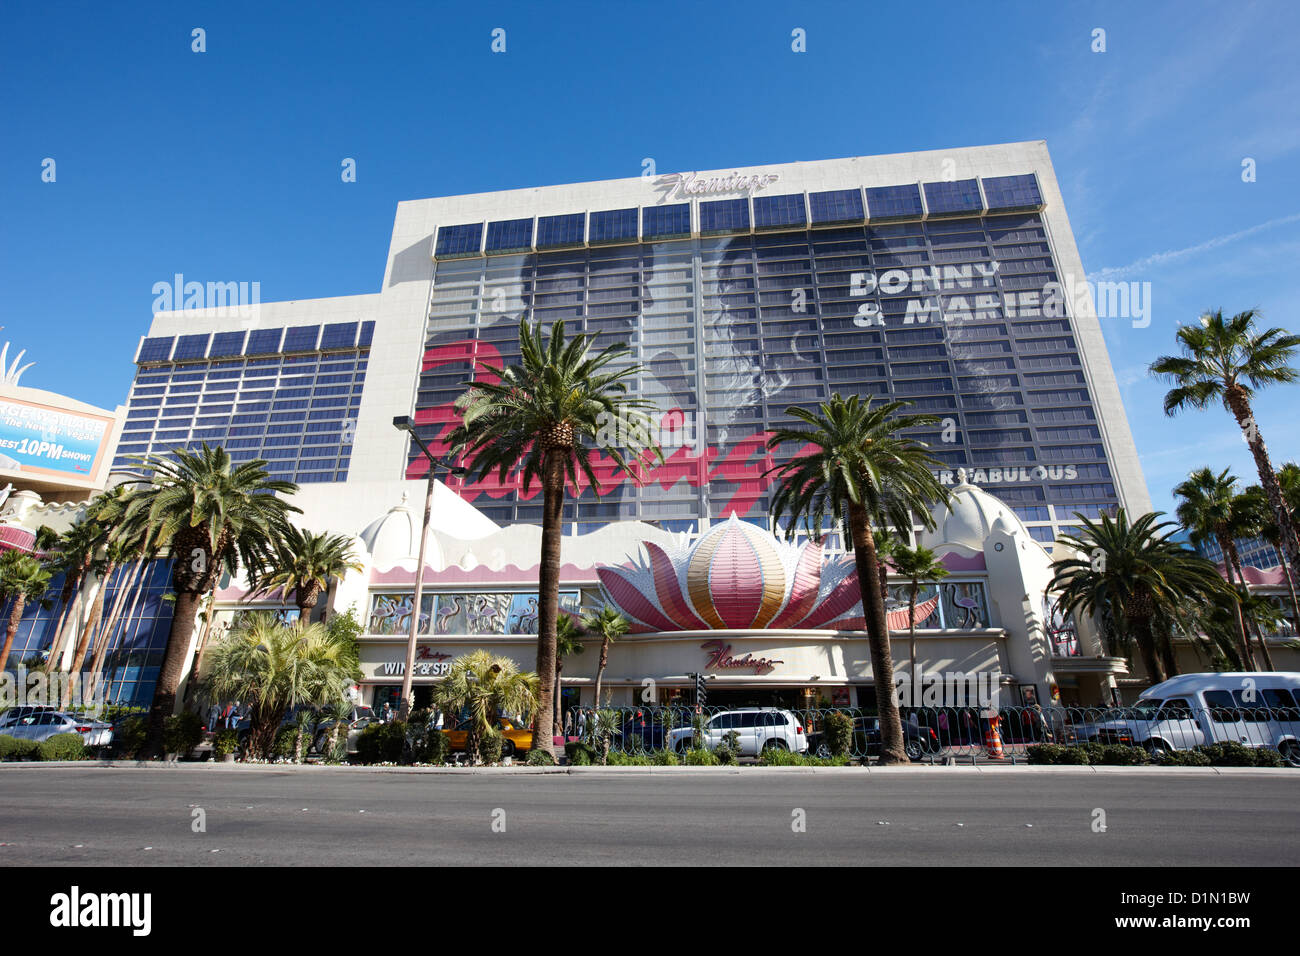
(947, 279)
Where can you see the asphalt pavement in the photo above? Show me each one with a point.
(209, 815)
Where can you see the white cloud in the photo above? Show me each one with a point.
(1159, 259)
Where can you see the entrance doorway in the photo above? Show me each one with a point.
(787, 698)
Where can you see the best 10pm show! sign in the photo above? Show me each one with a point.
(41, 440)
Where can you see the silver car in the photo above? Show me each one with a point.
(44, 725)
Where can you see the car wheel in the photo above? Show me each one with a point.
(1155, 748)
(775, 745)
(913, 749)
(507, 748)
(1290, 751)
(682, 745)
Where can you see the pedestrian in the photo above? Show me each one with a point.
(388, 712)
(1043, 726)
(214, 716)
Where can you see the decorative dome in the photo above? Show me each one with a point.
(970, 516)
(395, 537)
(738, 576)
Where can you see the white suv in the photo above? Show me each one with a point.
(758, 729)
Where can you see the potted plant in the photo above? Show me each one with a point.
(224, 745)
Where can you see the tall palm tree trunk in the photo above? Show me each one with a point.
(207, 628)
(1145, 639)
(92, 621)
(67, 598)
(600, 667)
(15, 616)
(105, 637)
(169, 675)
(1235, 557)
(911, 642)
(882, 662)
(558, 719)
(1295, 601)
(1239, 405)
(548, 587)
(1229, 566)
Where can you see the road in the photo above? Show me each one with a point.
(87, 816)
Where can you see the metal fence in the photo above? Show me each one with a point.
(939, 734)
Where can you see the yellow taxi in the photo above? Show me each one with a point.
(518, 739)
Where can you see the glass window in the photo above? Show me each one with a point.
(465, 240)
(612, 225)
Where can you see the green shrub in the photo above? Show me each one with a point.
(699, 757)
(129, 735)
(1118, 755)
(1079, 756)
(1268, 757)
(777, 757)
(282, 747)
(619, 759)
(1040, 754)
(1229, 753)
(489, 747)
(1184, 758)
(430, 745)
(540, 758)
(837, 733)
(381, 743)
(726, 755)
(15, 748)
(182, 733)
(663, 758)
(579, 754)
(225, 742)
(62, 747)
(1096, 752)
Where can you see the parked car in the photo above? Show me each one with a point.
(918, 740)
(15, 714)
(757, 729)
(650, 732)
(362, 717)
(1257, 709)
(518, 738)
(45, 724)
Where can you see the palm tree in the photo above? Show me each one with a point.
(858, 469)
(210, 513)
(304, 563)
(72, 556)
(486, 686)
(105, 512)
(546, 417)
(1211, 509)
(23, 579)
(274, 667)
(1288, 477)
(608, 624)
(568, 642)
(917, 565)
(1228, 360)
(1136, 577)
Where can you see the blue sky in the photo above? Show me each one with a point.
(225, 165)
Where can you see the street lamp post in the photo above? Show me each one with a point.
(404, 423)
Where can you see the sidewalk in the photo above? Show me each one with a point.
(209, 766)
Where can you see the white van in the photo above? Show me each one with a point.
(1257, 709)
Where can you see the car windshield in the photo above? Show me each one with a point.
(1146, 707)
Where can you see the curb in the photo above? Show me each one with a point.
(210, 767)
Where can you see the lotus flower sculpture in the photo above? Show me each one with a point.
(740, 577)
